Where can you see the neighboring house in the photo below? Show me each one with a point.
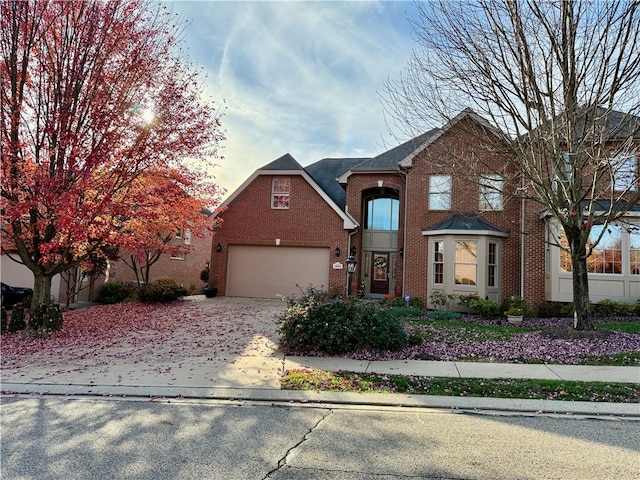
(185, 268)
(413, 225)
(17, 275)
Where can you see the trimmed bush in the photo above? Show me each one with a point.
(549, 310)
(5, 320)
(485, 308)
(516, 305)
(611, 308)
(162, 291)
(18, 320)
(46, 317)
(114, 292)
(339, 325)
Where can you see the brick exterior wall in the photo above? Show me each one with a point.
(445, 156)
(186, 272)
(250, 220)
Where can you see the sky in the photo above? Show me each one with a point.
(298, 77)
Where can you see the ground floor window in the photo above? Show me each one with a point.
(466, 263)
(438, 262)
(610, 254)
(492, 265)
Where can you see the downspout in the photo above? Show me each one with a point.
(522, 237)
(355, 230)
(404, 228)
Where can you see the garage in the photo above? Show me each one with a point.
(269, 271)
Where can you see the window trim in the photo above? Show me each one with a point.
(281, 193)
(456, 262)
(437, 192)
(491, 187)
(625, 177)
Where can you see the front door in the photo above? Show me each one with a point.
(380, 273)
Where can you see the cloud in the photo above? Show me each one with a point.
(297, 77)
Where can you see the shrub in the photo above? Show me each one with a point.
(515, 305)
(611, 308)
(161, 291)
(485, 308)
(18, 321)
(339, 325)
(46, 317)
(416, 302)
(440, 300)
(567, 310)
(415, 338)
(548, 310)
(114, 292)
(5, 320)
(465, 300)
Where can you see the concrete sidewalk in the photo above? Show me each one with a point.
(424, 368)
(248, 384)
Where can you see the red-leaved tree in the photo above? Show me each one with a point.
(92, 96)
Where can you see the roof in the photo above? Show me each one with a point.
(326, 172)
(464, 223)
(285, 162)
(392, 158)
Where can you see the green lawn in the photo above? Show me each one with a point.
(472, 387)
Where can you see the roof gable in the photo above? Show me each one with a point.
(287, 165)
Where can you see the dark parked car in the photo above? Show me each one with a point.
(12, 295)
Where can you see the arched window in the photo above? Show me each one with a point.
(382, 213)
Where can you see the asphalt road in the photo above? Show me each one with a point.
(93, 439)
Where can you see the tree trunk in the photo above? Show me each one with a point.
(581, 307)
(41, 290)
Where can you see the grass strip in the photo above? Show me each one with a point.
(304, 379)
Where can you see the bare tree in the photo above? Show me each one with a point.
(559, 80)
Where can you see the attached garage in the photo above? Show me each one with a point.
(269, 271)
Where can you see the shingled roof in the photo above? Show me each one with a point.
(464, 223)
(325, 173)
(285, 162)
(392, 158)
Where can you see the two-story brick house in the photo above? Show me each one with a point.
(412, 224)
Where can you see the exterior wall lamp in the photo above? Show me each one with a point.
(219, 248)
(351, 267)
(337, 251)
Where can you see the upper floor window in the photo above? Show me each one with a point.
(440, 192)
(280, 193)
(625, 171)
(563, 171)
(491, 192)
(382, 213)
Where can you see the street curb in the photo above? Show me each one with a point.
(627, 410)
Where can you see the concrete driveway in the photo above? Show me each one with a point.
(231, 343)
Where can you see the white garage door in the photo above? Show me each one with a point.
(266, 272)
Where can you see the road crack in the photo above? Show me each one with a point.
(283, 461)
